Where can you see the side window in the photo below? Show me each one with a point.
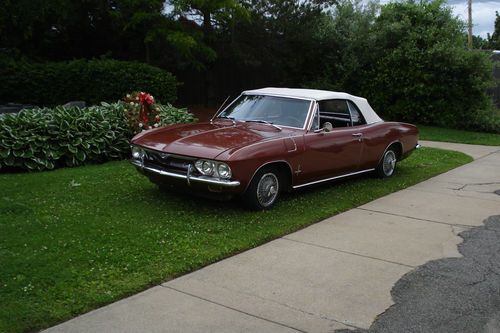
(335, 111)
(335, 106)
(356, 115)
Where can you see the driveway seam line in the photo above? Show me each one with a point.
(493, 152)
(455, 195)
(347, 252)
(234, 309)
(322, 316)
(416, 218)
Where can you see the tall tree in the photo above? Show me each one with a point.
(419, 69)
(139, 21)
(214, 17)
(278, 45)
(479, 43)
(125, 29)
(494, 39)
(210, 13)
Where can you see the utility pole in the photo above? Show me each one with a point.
(469, 24)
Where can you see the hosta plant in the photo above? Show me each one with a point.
(47, 138)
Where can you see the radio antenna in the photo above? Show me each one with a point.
(220, 107)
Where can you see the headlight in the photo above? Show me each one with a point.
(213, 168)
(224, 170)
(137, 153)
(205, 167)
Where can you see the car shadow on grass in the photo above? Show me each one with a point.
(204, 202)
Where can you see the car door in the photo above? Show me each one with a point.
(334, 153)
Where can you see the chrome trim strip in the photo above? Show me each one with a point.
(180, 157)
(333, 178)
(189, 179)
(278, 95)
(310, 115)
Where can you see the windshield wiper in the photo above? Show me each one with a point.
(262, 122)
(225, 117)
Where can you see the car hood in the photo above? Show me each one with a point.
(205, 140)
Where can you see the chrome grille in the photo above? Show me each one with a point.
(168, 162)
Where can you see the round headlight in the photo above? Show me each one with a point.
(207, 168)
(198, 164)
(224, 170)
(137, 152)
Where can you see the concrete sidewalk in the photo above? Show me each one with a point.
(335, 274)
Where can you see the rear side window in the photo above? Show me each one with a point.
(356, 115)
(335, 106)
(336, 112)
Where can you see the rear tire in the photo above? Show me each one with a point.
(387, 164)
(264, 189)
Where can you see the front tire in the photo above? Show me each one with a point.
(387, 164)
(264, 189)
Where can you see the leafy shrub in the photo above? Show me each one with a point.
(172, 115)
(47, 138)
(487, 119)
(419, 70)
(39, 139)
(93, 81)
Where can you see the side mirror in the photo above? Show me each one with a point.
(327, 127)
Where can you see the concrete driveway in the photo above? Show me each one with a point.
(335, 274)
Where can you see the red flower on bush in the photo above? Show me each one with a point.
(141, 111)
(145, 98)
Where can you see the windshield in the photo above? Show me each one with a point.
(275, 110)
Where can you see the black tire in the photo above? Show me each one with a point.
(387, 164)
(264, 189)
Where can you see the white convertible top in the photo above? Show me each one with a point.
(319, 95)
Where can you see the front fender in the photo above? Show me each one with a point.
(247, 160)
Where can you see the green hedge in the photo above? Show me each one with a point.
(420, 71)
(39, 139)
(93, 81)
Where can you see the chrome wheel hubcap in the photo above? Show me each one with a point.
(389, 163)
(267, 189)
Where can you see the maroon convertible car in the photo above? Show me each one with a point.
(272, 140)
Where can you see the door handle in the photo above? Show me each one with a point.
(358, 136)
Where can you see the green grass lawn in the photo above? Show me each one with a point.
(74, 239)
(458, 136)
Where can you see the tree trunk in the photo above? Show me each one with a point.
(207, 26)
(207, 36)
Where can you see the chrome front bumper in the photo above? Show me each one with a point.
(187, 177)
